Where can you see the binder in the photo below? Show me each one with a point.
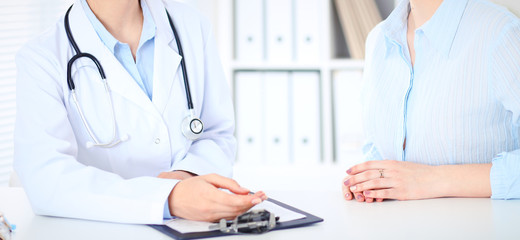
(276, 99)
(306, 132)
(249, 114)
(348, 124)
(307, 30)
(249, 35)
(279, 29)
(308, 220)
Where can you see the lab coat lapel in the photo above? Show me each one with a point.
(119, 80)
(166, 66)
(166, 58)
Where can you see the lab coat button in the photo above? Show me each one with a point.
(157, 140)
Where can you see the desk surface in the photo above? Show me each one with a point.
(449, 218)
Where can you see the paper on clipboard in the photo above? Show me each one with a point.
(187, 226)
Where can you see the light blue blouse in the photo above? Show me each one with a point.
(460, 103)
(142, 68)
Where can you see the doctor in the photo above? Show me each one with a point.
(117, 93)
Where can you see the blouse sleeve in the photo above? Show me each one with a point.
(505, 74)
(370, 152)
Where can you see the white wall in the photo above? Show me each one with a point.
(19, 21)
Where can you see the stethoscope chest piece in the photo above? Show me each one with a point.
(192, 127)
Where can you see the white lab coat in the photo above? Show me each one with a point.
(62, 177)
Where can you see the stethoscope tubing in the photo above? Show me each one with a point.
(191, 134)
(70, 82)
(183, 63)
(72, 88)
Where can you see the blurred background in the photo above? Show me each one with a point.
(294, 67)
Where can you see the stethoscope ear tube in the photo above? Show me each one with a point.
(78, 54)
(69, 32)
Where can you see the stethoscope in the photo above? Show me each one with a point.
(191, 127)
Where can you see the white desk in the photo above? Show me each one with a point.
(427, 219)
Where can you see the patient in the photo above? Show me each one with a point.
(441, 104)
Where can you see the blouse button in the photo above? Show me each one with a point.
(157, 140)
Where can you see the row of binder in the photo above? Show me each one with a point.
(277, 30)
(278, 117)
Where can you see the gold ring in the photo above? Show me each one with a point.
(382, 172)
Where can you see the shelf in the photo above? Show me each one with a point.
(265, 66)
(334, 64)
(345, 64)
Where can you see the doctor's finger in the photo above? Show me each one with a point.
(238, 201)
(226, 183)
(231, 211)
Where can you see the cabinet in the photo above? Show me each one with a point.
(330, 60)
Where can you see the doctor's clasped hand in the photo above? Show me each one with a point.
(200, 198)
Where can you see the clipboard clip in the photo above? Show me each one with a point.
(255, 221)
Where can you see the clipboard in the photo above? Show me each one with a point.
(307, 220)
